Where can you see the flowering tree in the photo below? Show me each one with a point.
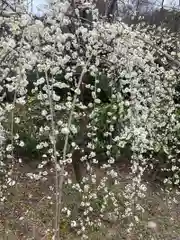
(61, 69)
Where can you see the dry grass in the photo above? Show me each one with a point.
(28, 213)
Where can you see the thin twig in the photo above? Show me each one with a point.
(12, 117)
(54, 150)
(61, 178)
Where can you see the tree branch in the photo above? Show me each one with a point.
(160, 51)
(61, 177)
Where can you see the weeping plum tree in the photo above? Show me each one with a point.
(100, 60)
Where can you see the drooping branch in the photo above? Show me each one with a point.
(160, 51)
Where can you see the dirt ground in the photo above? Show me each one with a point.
(28, 212)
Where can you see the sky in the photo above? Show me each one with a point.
(39, 4)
